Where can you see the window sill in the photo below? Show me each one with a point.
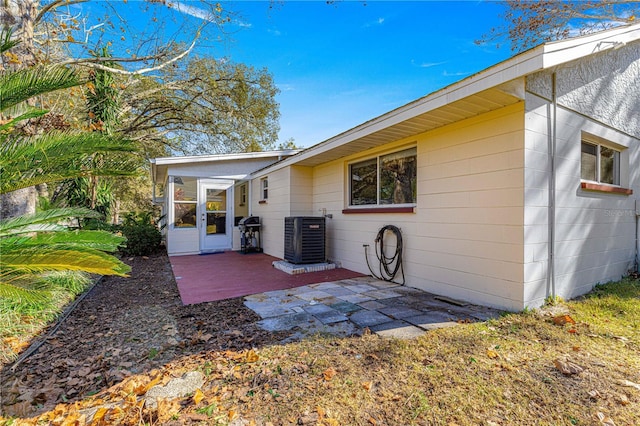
(262, 202)
(598, 187)
(368, 210)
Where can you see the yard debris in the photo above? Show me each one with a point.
(329, 373)
(176, 388)
(567, 367)
(248, 382)
(595, 394)
(605, 420)
(628, 384)
(491, 352)
(563, 319)
(622, 399)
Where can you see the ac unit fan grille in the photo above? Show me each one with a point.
(304, 239)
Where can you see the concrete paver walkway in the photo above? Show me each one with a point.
(348, 306)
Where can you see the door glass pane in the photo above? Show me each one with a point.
(216, 223)
(588, 162)
(364, 183)
(216, 199)
(398, 177)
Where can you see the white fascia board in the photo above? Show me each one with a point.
(560, 52)
(511, 69)
(223, 157)
(536, 59)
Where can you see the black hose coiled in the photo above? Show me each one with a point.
(389, 265)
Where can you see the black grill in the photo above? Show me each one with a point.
(250, 235)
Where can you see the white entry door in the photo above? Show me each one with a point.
(216, 214)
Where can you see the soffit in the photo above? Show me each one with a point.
(471, 106)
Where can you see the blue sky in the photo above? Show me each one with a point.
(340, 65)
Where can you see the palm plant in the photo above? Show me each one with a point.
(33, 247)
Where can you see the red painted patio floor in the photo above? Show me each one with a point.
(211, 277)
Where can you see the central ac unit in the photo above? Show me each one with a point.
(304, 239)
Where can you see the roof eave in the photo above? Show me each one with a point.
(544, 56)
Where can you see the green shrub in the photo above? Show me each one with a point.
(143, 236)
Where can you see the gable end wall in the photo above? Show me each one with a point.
(595, 232)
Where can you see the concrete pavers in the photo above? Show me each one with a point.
(347, 307)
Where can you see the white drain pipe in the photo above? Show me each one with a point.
(551, 274)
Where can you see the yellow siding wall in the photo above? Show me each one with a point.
(465, 239)
(290, 194)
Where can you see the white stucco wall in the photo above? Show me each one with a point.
(603, 86)
(595, 231)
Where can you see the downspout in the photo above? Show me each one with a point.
(551, 274)
(637, 258)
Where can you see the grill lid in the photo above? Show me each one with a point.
(249, 221)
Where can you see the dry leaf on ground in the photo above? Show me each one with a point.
(567, 367)
(628, 384)
(605, 420)
(563, 319)
(198, 396)
(251, 356)
(329, 373)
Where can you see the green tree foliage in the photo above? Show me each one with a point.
(35, 246)
(205, 106)
(529, 23)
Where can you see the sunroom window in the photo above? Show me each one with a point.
(185, 199)
(384, 180)
(600, 163)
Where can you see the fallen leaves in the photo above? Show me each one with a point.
(329, 373)
(251, 356)
(198, 396)
(605, 420)
(628, 383)
(563, 319)
(567, 367)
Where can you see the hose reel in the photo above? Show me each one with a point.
(389, 266)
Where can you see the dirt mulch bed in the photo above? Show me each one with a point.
(125, 326)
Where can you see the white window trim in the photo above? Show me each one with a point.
(618, 164)
(264, 186)
(172, 225)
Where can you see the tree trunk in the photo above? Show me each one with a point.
(21, 16)
(17, 203)
(115, 219)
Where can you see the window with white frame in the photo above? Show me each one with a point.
(384, 180)
(264, 188)
(185, 199)
(243, 194)
(599, 163)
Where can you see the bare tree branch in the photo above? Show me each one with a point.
(54, 5)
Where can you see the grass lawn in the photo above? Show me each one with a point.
(577, 363)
